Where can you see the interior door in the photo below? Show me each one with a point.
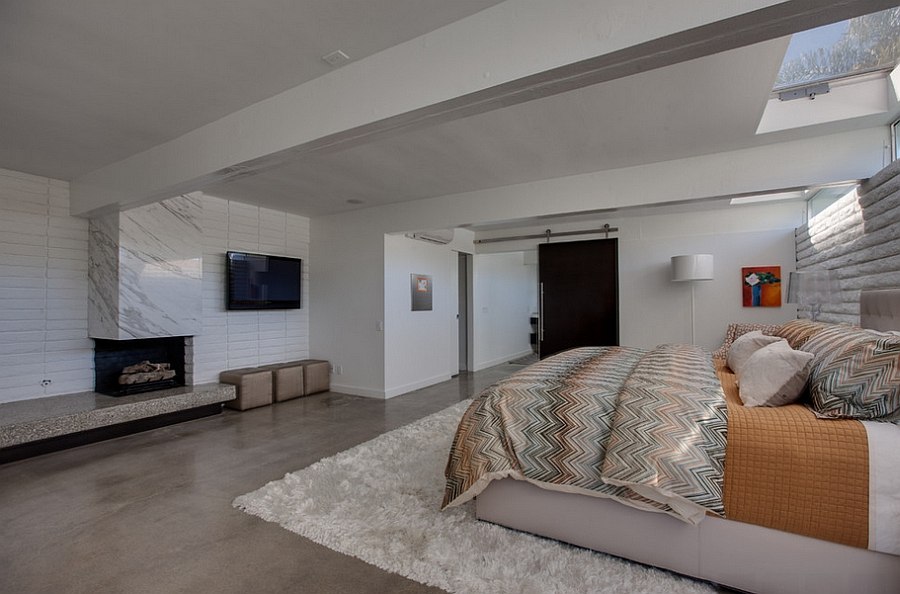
(579, 295)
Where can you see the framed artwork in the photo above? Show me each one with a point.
(761, 286)
(421, 289)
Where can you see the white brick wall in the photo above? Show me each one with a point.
(858, 237)
(233, 339)
(43, 290)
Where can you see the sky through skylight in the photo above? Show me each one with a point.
(861, 44)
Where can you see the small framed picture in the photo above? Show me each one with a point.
(420, 289)
(761, 286)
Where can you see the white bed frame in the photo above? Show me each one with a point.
(726, 552)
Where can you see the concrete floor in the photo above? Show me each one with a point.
(152, 512)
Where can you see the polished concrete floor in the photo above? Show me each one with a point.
(152, 512)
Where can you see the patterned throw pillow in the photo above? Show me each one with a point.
(855, 374)
(737, 329)
(797, 332)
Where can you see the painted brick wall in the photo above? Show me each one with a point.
(858, 237)
(43, 290)
(234, 339)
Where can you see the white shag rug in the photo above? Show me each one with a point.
(380, 500)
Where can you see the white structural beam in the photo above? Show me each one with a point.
(512, 52)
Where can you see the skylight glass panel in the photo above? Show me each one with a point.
(855, 46)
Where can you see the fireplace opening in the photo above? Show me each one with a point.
(123, 367)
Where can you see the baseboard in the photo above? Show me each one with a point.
(356, 391)
(501, 360)
(399, 390)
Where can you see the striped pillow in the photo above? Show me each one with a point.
(855, 374)
(797, 332)
(738, 329)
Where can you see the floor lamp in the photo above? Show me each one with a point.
(696, 267)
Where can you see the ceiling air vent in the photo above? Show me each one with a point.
(438, 236)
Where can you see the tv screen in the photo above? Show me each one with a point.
(257, 281)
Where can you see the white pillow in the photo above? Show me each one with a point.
(774, 375)
(744, 346)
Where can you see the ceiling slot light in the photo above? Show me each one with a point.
(336, 58)
(768, 197)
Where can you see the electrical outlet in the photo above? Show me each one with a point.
(340, 370)
(46, 382)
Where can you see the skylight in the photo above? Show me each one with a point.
(855, 46)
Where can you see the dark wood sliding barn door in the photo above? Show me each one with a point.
(579, 295)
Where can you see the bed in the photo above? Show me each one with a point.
(744, 517)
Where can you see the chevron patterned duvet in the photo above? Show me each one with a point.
(646, 428)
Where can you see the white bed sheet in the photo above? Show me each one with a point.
(884, 486)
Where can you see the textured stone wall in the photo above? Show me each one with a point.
(857, 237)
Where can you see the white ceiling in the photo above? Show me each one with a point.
(90, 82)
(704, 106)
(86, 83)
(697, 107)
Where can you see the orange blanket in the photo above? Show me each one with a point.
(788, 470)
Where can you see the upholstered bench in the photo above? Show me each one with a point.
(316, 376)
(254, 387)
(287, 380)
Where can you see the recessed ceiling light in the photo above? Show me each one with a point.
(336, 58)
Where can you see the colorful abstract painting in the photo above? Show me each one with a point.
(761, 286)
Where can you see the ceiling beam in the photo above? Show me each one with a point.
(514, 52)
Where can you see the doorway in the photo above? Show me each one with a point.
(464, 311)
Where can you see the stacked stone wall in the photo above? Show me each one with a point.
(858, 238)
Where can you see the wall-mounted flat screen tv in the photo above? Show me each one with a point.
(258, 281)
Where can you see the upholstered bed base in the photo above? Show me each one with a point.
(726, 552)
(734, 554)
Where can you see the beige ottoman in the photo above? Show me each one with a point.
(316, 376)
(287, 380)
(254, 387)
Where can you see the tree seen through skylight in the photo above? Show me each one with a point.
(866, 43)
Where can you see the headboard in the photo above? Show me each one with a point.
(880, 310)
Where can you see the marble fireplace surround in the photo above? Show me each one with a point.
(145, 271)
(144, 282)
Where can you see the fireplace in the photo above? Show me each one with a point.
(162, 356)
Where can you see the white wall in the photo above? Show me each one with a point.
(420, 346)
(348, 249)
(234, 339)
(504, 295)
(43, 290)
(653, 309)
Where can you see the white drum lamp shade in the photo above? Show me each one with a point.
(692, 268)
(696, 267)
